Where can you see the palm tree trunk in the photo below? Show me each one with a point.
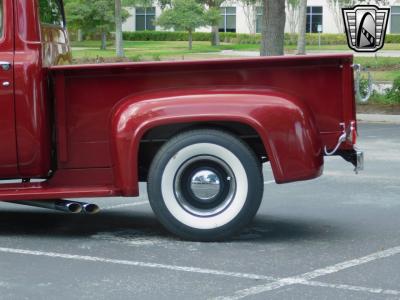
(190, 40)
(103, 41)
(215, 38)
(119, 44)
(80, 35)
(301, 42)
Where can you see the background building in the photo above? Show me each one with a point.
(241, 18)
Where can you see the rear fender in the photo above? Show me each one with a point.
(285, 125)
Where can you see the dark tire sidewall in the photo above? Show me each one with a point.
(249, 162)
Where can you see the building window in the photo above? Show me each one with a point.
(314, 18)
(228, 19)
(259, 19)
(395, 20)
(145, 18)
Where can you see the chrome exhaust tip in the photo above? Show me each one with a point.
(69, 206)
(90, 208)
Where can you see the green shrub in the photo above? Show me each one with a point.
(364, 86)
(377, 98)
(393, 94)
(313, 39)
(390, 96)
(245, 38)
(156, 57)
(392, 38)
(136, 58)
(230, 37)
(165, 36)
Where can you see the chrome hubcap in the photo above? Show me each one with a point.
(205, 185)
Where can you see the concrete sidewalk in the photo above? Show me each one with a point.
(384, 53)
(379, 118)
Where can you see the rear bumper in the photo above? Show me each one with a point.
(356, 157)
(359, 158)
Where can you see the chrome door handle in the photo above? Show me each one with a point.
(5, 65)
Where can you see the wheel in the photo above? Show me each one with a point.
(205, 185)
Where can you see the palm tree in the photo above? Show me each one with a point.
(301, 42)
(119, 43)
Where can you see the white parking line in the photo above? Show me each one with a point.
(269, 182)
(243, 293)
(304, 278)
(136, 263)
(126, 205)
(346, 287)
(350, 263)
(354, 288)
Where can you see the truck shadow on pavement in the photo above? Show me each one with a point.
(131, 225)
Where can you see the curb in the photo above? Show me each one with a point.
(378, 118)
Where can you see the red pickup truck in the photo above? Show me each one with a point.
(197, 132)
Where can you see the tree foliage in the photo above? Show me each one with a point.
(92, 16)
(147, 3)
(50, 11)
(186, 15)
(214, 17)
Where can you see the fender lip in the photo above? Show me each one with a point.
(285, 124)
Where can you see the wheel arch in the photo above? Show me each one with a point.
(280, 122)
(153, 139)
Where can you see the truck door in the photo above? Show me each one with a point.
(8, 151)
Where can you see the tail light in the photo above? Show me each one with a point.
(348, 135)
(352, 133)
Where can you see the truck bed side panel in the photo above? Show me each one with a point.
(91, 92)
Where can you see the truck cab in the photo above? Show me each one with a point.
(198, 132)
(33, 39)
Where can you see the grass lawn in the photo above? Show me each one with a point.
(379, 63)
(146, 51)
(382, 68)
(387, 47)
(380, 76)
(206, 47)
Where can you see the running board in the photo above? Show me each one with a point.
(43, 191)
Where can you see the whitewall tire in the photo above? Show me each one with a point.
(205, 185)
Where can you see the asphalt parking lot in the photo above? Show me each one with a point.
(337, 237)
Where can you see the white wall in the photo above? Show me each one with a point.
(329, 25)
(392, 3)
(241, 18)
(130, 23)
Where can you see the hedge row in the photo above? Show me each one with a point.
(172, 36)
(238, 38)
(392, 38)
